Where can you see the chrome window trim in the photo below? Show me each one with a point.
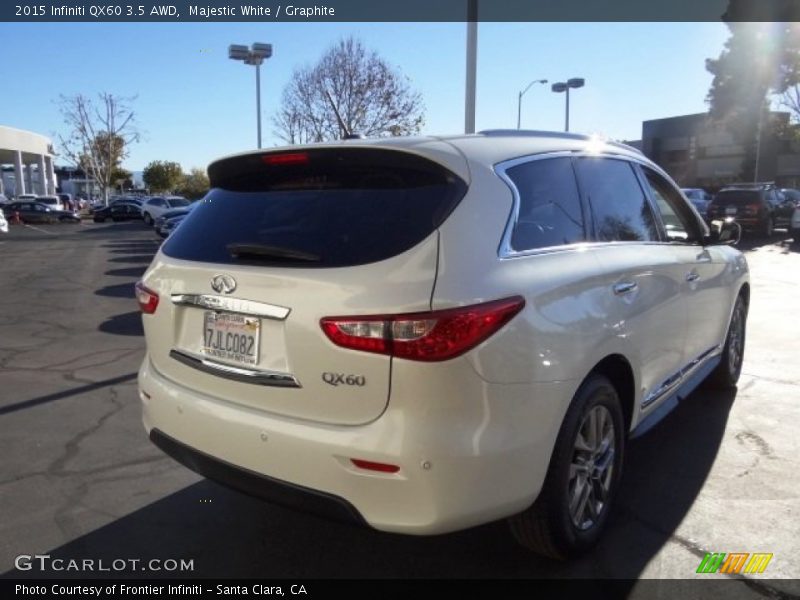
(505, 250)
(234, 305)
(244, 375)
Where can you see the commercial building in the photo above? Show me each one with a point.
(699, 152)
(30, 159)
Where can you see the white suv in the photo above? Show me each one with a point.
(152, 208)
(429, 334)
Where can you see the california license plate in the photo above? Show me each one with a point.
(231, 338)
(730, 211)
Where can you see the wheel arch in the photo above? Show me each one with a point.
(744, 292)
(619, 372)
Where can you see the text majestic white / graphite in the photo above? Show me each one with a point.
(249, 10)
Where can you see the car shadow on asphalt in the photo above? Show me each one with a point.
(129, 323)
(132, 258)
(781, 239)
(227, 534)
(114, 229)
(120, 290)
(133, 272)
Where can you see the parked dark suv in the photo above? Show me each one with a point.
(756, 207)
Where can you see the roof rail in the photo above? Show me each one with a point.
(753, 184)
(533, 133)
(565, 135)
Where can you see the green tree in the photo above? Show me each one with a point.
(121, 178)
(372, 97)
(162, 175)
(194, 184)
(758, 60)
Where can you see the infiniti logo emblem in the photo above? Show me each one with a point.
(224, 284)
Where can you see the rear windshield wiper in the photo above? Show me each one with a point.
(256, 251)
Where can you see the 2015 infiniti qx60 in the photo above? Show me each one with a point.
(426, 334)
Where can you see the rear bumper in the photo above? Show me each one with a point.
(256, 484)
(468, 452)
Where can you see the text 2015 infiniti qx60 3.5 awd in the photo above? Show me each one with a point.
(426, 334)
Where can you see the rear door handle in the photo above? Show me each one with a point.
(625, 287)
(692, 276)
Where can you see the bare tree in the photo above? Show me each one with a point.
(790, 99)
(373, 98)
(99, 134)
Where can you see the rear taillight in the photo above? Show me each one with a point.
(147, 299)
(426, 336)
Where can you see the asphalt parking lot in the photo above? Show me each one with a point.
(79, 478)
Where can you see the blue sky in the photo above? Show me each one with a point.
(194, 104)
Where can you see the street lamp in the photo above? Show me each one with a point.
(519, 100)
(562, 86)
(254, 55)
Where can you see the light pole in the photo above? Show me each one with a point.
(758, 144)
(472, 66)
(519, 100)
(564, 86)
(254, 55)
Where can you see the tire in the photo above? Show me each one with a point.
(728, 370)
(768, 228)
(148, 220)
(795, 233)
(549, 527)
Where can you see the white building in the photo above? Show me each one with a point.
(31, 155)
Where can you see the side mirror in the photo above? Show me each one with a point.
(724, 233)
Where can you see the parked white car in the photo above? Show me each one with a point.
(52, 202)
(3, 223)
(427, 334)
(154, 207)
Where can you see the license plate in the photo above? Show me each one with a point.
(231, 338)
(730, 211)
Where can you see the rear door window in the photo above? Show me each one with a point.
(317, 208)
(619, 206)
(550, 212)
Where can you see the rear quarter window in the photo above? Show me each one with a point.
(550, 212)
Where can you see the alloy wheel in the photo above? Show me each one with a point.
(591, 470)
(736, 340)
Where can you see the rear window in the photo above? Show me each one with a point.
(316, 208)
(737, 197)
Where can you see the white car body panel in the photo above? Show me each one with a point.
(472, 436)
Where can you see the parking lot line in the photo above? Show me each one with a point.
(38, 229)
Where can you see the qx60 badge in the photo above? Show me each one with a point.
(223, 284)
(336, 379)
